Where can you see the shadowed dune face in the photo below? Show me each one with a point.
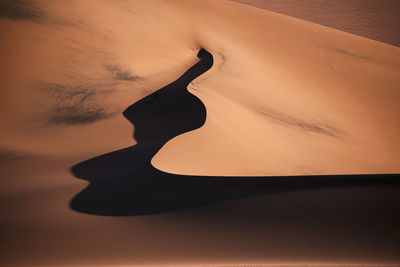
(157, 118)
(170, 111)
(125, 183)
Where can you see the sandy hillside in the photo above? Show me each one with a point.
(284, 97)
(288, 97)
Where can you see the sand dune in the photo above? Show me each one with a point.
(295, 98)
(284, 97)
(124, 183)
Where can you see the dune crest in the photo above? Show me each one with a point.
(288, 97)
(285, 96)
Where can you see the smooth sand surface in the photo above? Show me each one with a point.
(289, 98)
(283, 97)
(374, 19)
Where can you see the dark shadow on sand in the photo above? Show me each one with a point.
(124, 183)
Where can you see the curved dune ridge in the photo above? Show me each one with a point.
(279, 146)
(286, 97)
(294, 99)
(124, 183)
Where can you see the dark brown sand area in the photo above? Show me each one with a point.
(374, 19)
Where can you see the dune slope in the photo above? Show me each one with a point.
(283, 97)
(287, 97)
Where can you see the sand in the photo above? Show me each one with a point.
(284, 97)
(263, 87)
(373, 19)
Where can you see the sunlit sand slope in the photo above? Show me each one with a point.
(287, 97)
(284, 97)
